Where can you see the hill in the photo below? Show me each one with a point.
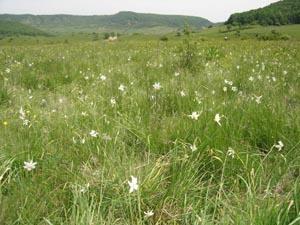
(122, 21)
(13, 28)
(279, 13)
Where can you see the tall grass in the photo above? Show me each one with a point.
(236, 175)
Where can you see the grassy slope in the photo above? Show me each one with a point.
(86, 183)
(221, 31)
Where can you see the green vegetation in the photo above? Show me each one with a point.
(126, 22)
(11, 28)
(254, 32)
(210, 128)
(279, 13)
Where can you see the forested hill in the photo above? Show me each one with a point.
(121, 21)
(12, 28)
(279, 13)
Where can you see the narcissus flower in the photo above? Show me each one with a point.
(122, 87)
(94, 133)
(102, 77)
(149, 213)
(193, 147)
(194, 115)
(231, 152)
(133, 184)
(29, 165)
(258, 99)
(113, 101)
(157, 86)
(218, 118)
(279, 146)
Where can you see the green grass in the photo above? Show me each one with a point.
(59, 89)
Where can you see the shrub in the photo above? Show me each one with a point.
(164, 38)
(106, 36)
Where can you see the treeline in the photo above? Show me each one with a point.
(279, 13)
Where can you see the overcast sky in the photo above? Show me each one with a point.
(214, 10)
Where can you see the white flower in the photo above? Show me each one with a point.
(251, 79)
(194, 115)
(7, 70)
(217, 119)
(231, 152)
(122, 87)
(149, 213)
(29, 165)
(26, 122)
(113, 102)
(157, 86)
(224, 89)
(234, 89)
(102, 77)
(193, 147)
(84, 114)
(133, 185)
(182, 93)
(176, 74)
(94, 133)
(228, 82)
(258, 99)
(279, 146)
(22, 116)
(285, 72)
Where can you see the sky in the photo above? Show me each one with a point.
(213, 10)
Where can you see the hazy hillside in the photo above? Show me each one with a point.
(12, 28)
(122, 21)
(279, 13)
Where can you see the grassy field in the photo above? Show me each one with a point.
(142, 131)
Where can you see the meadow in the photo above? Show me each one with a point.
(141, 131)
